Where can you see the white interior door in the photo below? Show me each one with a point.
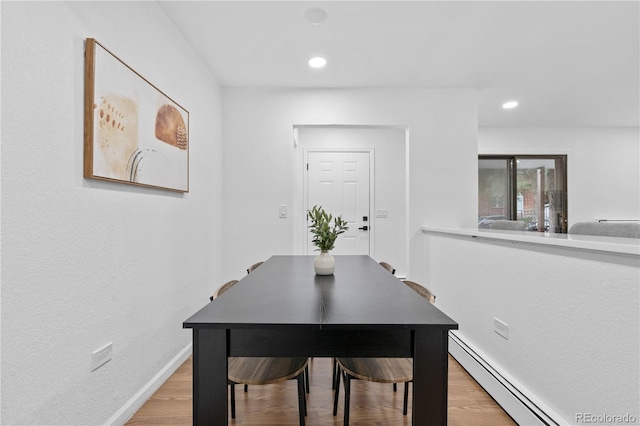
(340, 183)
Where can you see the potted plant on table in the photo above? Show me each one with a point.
(325, 233)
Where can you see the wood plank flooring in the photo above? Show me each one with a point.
(371, 403)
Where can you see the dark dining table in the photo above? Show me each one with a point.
(283, 309)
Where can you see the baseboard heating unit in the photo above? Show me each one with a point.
(523, 407)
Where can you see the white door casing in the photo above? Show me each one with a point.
(341, 182)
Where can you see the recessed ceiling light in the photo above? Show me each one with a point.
(316, 16)
(510, 104)
(317, 62)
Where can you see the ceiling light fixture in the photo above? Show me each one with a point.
(317, 62)
(316, 16)
(510, 104)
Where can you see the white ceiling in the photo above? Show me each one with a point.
(572, 63)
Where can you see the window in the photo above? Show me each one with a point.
(497, 202)
(528, 188)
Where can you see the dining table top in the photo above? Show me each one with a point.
(285, 292)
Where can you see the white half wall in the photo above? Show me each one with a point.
(573, 322)
(603, 165)
(87, 262)
(259, 170)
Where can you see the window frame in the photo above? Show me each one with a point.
(512, 183)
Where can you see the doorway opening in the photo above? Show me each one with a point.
(387, 216)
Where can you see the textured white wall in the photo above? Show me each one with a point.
(258, 135)
(572, 315)
(603, 165)
(86, 262)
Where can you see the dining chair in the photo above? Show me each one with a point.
(264, 370)
(421, 290)
(253, 267)
(380, 370)
(222, 289)
(306, 370)
(388, 267)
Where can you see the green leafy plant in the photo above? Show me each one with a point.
(324, 232)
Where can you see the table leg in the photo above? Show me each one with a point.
(210, 377)
(430, 377)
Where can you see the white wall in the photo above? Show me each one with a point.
(260, 161)
(389, 151)
(573, 315)
(86, 262)
(603, 165)
(574, 330)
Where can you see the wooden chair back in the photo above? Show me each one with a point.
(421, 290)
(388, 267)
(222, 289)
(253, 267)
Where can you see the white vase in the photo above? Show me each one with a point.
(324, 264)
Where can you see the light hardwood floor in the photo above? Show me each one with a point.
(371, 403)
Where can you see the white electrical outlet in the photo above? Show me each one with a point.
(100, 356)
(501, 328)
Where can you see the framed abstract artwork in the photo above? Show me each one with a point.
(133, 132)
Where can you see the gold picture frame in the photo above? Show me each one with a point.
(133, 132)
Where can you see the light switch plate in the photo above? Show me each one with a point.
(382, 213)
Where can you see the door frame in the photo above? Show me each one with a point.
(301, 201)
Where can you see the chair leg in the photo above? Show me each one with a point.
(333, 376)
(304, 400)
(406, 398)
(304, 380)
(336, 393)
(302, 404)
(395, 387)
(306, 376)
(246, 388)
(347, 397)
(233, 400)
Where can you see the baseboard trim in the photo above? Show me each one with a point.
(129, 409)
(517, 401)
